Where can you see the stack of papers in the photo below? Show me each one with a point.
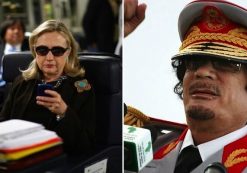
(24, 143)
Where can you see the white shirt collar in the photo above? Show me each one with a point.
(209, 148)
(8, 48)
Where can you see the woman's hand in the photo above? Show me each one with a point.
(54, 102)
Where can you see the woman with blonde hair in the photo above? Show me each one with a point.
(67, 106)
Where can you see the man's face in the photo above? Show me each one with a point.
(215, 97)
(14, 34)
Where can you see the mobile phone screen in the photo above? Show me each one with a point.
(41, 89)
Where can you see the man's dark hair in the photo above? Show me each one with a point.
(179, 68)
(8, 23)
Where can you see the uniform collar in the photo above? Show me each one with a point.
(209, 148)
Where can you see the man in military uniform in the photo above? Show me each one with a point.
(212, 73)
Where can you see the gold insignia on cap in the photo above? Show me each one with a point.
(82, 85)
(215, 34)
(235, 158)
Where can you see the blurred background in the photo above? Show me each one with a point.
(94, 23)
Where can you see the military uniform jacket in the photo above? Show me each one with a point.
(77, 128)
(233, 156)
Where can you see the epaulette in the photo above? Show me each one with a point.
(134, 117)
(170, 146)
(234, 155)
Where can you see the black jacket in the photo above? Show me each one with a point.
(77, 128)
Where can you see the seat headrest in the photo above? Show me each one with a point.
(104, 71)
(13, 63)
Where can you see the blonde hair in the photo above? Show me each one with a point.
(72, 67)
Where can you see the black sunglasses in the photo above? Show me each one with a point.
(223, 65)
(56, 51)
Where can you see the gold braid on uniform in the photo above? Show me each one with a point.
(135, 117)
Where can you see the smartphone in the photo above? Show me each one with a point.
(42, 87)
